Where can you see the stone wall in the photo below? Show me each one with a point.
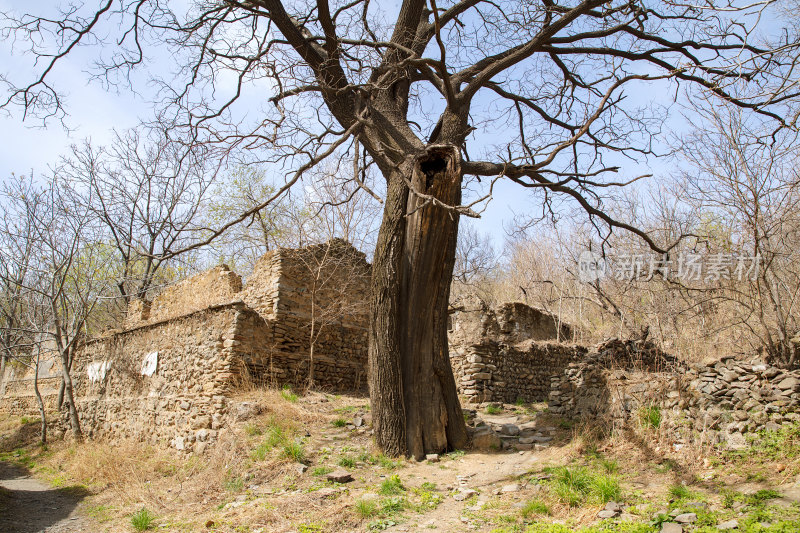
(220, 284)
(16, 387)
(166, 376)
(507, 353)
(271, 352)
(334, 275)
(718, 402)
(182, 401)
(285, 282)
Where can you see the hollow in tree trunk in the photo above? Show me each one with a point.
(412, 389)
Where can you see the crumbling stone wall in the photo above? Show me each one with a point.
(717, 402)
(269, 353)
(16, 387)
(285, 282)
(219, 284)
(335, 274)
(167, 375)
(507, 353)
(182, 402)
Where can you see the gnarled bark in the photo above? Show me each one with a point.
(412, 269)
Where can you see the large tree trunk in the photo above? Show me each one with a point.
(412, 389)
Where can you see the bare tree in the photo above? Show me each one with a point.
(147, 195)
(744, 181)
(20, 343)
(272, 227)
(475, 264)
(336, 273)
(421, 97)
(63, 279)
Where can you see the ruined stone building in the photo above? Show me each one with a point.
(507, 353)
(167, 374)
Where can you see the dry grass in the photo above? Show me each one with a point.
(228, 490)
(190, 492)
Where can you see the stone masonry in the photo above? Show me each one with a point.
(718, 402)
(167, 376)
(507, 353)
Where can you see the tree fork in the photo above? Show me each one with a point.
(412, 271)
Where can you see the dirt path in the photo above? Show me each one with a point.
(29, 506)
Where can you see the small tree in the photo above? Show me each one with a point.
(63, 279)
(144, 196)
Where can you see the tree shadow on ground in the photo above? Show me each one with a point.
(29, 506)
(25, 435)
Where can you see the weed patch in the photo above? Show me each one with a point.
(143, 520)
(650, 417)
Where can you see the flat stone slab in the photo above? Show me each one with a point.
(340, 476)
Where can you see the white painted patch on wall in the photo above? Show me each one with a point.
(97, 370)
(150, 364)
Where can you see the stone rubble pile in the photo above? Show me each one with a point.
(505, 434)
(721, 401)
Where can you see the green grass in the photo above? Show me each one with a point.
(391, 486)
(101, 513)
(366, 508)
(609, 465)
(679, 491)
(493, 410)
(428, 498)
(288, 395)
(346, 462)
(234, 484)
(766, 446)
(339, 423)
(650, 417)
(295, 451)
(577, 485)
(606, 488)
(321, 471)
(310, 528)
(275, 436)
(385, 462)
(455, 454)
(143, 520)
(535, 507)
(393, 505)
(761, 497)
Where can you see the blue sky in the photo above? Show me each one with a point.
(93, 112)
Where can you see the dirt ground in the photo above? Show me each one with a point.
(28, 505)
(269, 472)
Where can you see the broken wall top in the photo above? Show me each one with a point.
(215, 286)
(281, 284)
(475, 322)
